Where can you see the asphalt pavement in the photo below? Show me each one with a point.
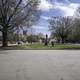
(40, 65)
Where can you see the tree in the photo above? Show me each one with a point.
(77, 13)
(41, 35)
(16, 13)
(60, 27)
(32, 38)
(75, 32)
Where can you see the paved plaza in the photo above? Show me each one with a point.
(40, 65)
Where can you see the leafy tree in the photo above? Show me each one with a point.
(75, 31)
(16, 13)
(60, 27)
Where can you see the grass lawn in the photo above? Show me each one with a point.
(41, 46)
(56, 46)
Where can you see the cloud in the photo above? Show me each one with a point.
(67, 9)
(45, 5)
(45, 17)
(38, 27)
(42, 29)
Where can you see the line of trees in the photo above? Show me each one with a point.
(26, 38)
(66, 29)
(15, 14)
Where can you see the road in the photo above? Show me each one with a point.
(39, 65)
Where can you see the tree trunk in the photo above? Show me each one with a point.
(4, 40)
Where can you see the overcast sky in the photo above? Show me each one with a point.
(51, 8)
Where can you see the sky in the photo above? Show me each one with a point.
(51, 8)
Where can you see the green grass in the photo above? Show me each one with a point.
(41, 46)
(56, 46)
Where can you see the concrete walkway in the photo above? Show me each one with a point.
(39, 65)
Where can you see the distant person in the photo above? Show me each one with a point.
(52, 43)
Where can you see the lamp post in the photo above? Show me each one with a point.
(46, 40)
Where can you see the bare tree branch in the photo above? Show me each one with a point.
(14, 11)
